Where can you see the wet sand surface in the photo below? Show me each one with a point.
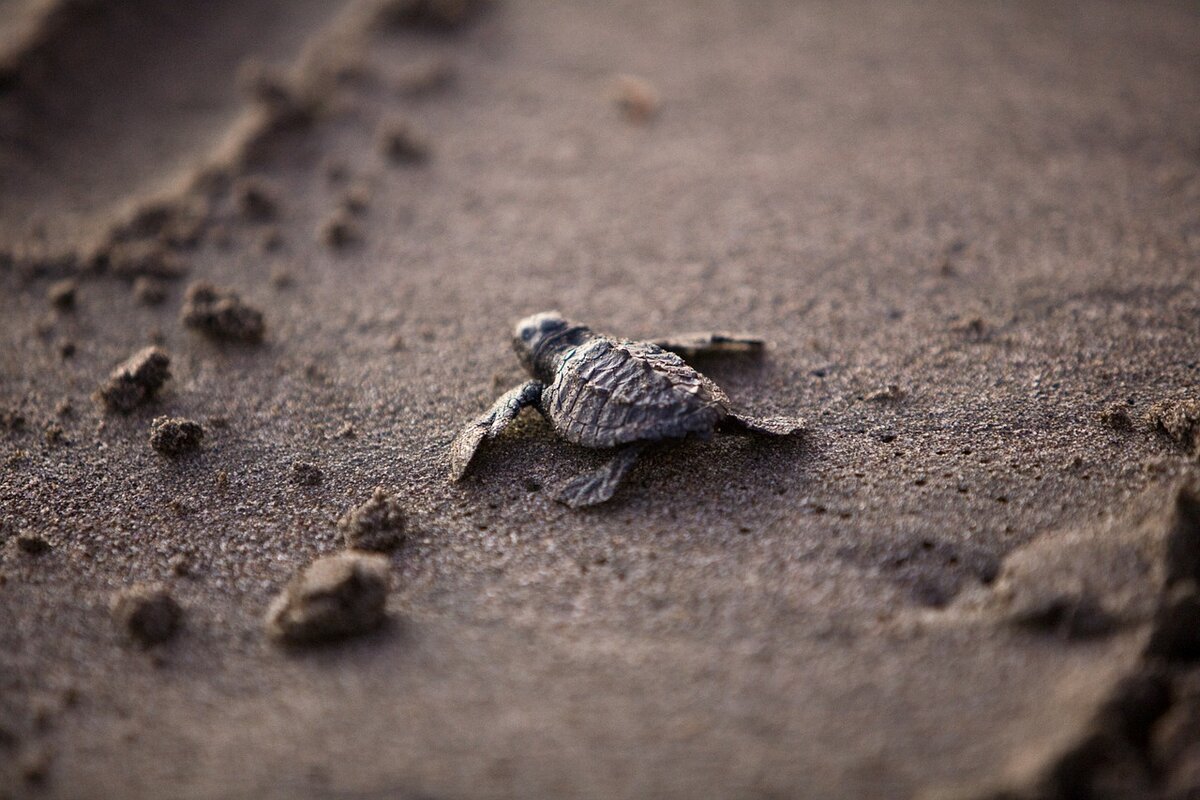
(969, 232)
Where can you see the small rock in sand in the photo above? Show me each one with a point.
(377, 524)
(401, 144)
(32, 544)
(136, 380)
(636, 98)
(175, 436)
(221, 314)
(147, 614)
(61, 294)
(332, 598)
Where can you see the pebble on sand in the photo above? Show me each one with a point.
(221, 314)
(136, 380)
(378, 524)
(147, 614)
(175, 436)
(332, 598)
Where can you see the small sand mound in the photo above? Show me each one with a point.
(135, 381)
(221, 314)
(146, 614)
(1116, 416)
(334, 597)
(175, 436)
(305, 473)
(377, 524)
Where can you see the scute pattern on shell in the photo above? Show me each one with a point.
(608, 393)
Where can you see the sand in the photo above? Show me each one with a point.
(968, 233)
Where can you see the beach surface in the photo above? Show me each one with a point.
(970, 234)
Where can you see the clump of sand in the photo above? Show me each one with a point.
(175, 436)
(1116, 416)
(305, 473)
(378, 524)
(221, 314)
(136, 380)
(1177, 419)
(146, 614)
(332, 598)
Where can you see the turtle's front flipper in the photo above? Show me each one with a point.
(765, 426)
(689, 345)
(489, 424)
(593, 488)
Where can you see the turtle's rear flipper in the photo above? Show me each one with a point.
(761, 426)
(593, 488)
(689, 345)
(489, 424)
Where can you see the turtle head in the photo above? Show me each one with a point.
(540, 339)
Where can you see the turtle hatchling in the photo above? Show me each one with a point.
(602, 392)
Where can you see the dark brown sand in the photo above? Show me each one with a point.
(971, 232)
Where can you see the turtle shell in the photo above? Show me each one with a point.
(606, 393)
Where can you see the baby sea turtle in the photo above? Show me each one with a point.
(599, 391)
